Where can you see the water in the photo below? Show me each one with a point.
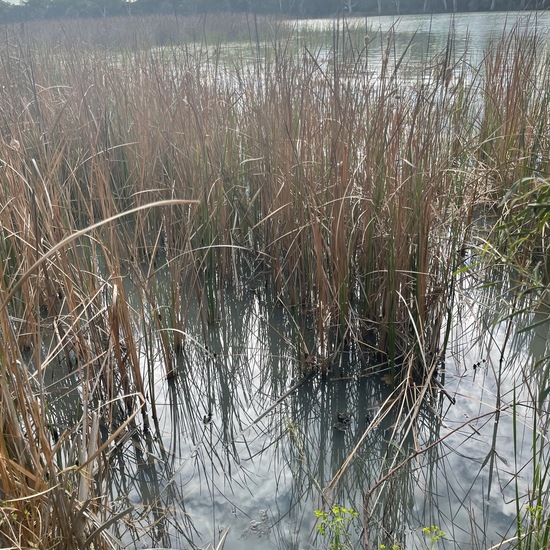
(256, 478)
(417, 41)
(228, 460)
(426, 35)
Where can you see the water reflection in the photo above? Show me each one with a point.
(417, 40)
(262, 475)
(247, 441)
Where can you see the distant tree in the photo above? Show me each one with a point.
(4, 8)
(349, 6)
(7, 12)
(64, 8)
(104, 7)
(36, 9)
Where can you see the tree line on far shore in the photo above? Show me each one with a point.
(50, 9)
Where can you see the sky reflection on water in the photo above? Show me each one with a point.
(263, 479)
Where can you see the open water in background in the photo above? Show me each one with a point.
(428, 35)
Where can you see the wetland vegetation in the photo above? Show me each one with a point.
(226, 236)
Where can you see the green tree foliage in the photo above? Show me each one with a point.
(37, 9)
(48, 9)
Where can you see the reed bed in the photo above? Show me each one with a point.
(350, 193)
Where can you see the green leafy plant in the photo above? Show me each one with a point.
(540, 526)
(433, 535)
(335, 526)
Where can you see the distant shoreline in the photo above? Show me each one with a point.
(11, 12)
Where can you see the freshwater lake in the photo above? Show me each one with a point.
(230, 462)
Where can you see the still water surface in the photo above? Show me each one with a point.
(261, 477)
(419, 39)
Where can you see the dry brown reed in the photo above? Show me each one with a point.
(353, 192)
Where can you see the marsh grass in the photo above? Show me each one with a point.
(518, 244)
(352, 193)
